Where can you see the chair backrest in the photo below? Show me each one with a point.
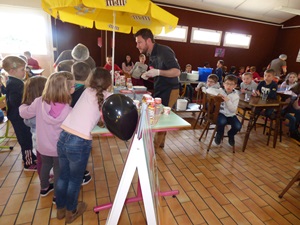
(212, 104)
(200, 97)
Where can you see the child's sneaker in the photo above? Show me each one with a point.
(231, 141)
(31, 167)
(86, 180)
(218, 139)
(61, 213)
(44, 193)
(51, 178)
(86, 173)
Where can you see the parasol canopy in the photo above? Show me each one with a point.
(112, 15)
(130, 15)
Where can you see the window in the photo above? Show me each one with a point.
(178, 34)
(205, 36)
(237, 40)
(24, 29)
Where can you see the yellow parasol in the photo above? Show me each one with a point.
(112, 15)
(129, 15)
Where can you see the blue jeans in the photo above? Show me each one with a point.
(224, 120)
(73, 154)
(293, 120)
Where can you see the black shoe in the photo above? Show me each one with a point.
(54, 200)
(218, 139)
(44, 193)
(231, 141)
(86, 180)
(31, 167)
(86, 173)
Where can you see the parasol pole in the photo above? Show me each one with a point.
(113, 47)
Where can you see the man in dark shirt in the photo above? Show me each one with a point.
(165, 70)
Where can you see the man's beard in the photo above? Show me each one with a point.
(145, 51)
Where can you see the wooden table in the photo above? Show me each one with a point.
(165, 123)
(255, 103)
(193, 108)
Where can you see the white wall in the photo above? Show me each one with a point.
(27, 3)
(45, 61)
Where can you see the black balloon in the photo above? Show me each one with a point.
(120, 115)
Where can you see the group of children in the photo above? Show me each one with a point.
(43, 118)
(230, 95)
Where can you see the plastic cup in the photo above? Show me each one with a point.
(264, 96)
(247, 96)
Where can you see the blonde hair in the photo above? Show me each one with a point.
(247, 74)
(57, 88)
(288, 76)
(33, 88)
(12, 62)
(142, 56)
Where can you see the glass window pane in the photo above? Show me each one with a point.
(178, 34)
(205, 36)
(26, 30)
(237, 40)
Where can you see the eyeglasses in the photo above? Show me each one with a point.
(229, 84)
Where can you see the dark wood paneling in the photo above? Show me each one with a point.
(288, 43)
(268, 41)
(66, 36)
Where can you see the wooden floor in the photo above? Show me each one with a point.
(217, 187)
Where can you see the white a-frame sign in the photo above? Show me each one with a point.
(141, 156)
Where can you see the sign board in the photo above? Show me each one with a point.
(141, 157)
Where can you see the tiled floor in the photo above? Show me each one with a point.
(218, 187)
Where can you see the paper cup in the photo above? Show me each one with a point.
(167, 110)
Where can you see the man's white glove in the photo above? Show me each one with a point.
(152, 73)
(144, 76)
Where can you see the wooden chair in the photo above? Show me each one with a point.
(213, 104)
(272, 120)
(202, 108)
(295, 179)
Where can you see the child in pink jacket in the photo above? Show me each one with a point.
(50, 111)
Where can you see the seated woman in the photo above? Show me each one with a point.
(127, 65)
